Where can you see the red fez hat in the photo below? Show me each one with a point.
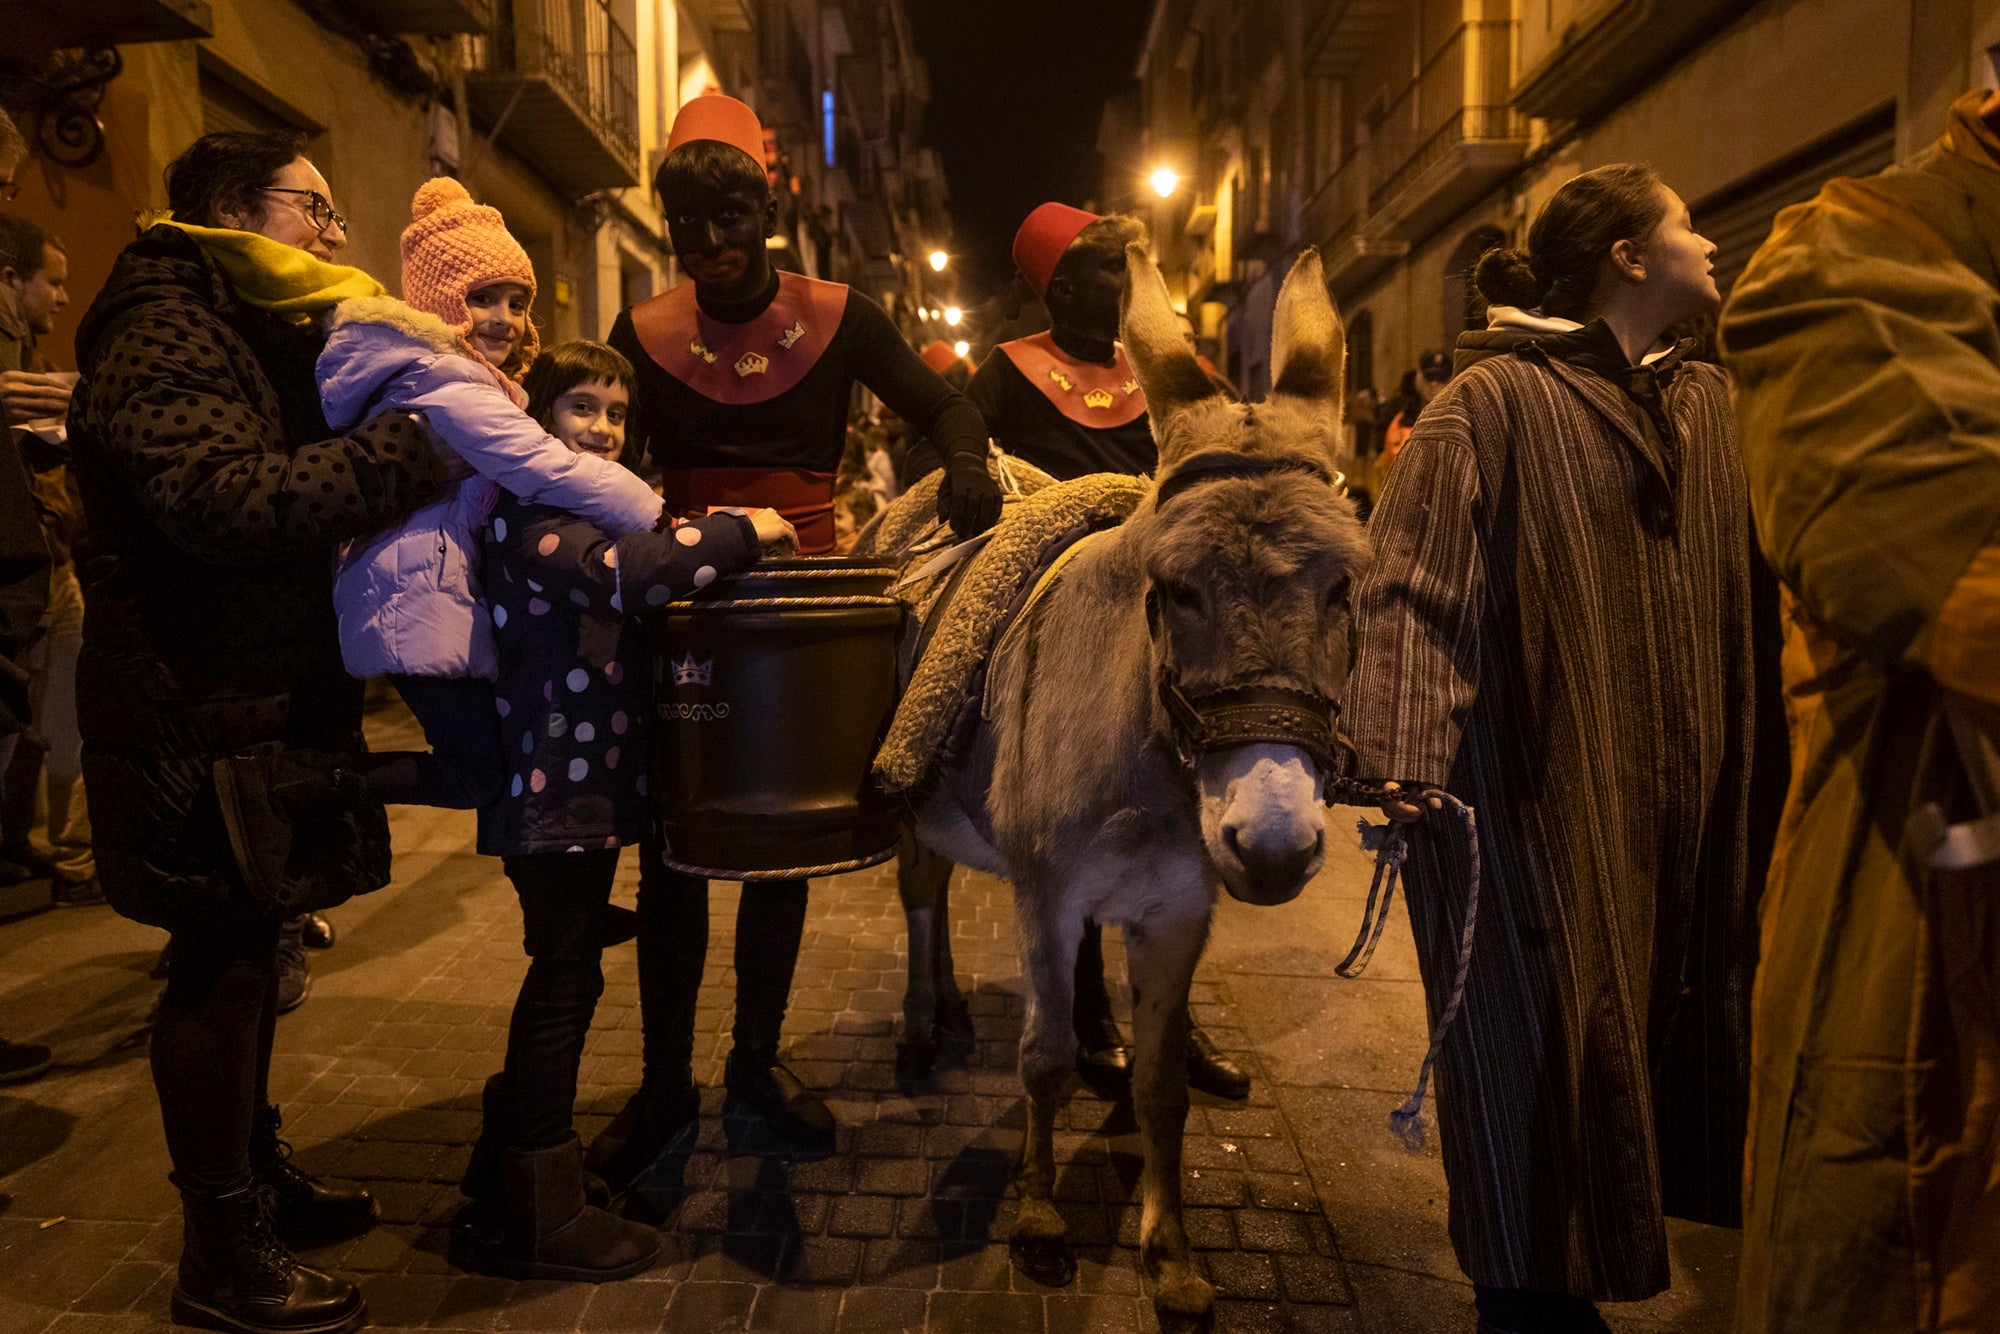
(1042, 240)
(721, 118)
(937, 355)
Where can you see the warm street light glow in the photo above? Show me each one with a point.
(952, 314)
(1165, 181)
(961, 347)
(939, 259)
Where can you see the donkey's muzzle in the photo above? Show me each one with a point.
(1269, 875)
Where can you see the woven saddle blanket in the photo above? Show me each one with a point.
(960, 612)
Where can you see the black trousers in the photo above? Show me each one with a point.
(562, 911)
(464, 768)
(673, 949)
(211, 1047)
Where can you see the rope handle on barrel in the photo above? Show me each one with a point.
(1390, 844)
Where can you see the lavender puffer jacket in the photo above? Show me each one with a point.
(408, 598)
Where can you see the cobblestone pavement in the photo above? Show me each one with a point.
(1305, 1213)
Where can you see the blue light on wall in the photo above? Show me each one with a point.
(826, 123)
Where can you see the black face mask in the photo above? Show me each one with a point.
(718, 236)
(1084, 292)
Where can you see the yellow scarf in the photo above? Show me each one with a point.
(272, 275)
(1968, 135)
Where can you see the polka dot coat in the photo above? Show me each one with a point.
(568, 604)
(215, 494)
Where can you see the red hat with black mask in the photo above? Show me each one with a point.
(1042, 240)
(723, 119)
(939, 356)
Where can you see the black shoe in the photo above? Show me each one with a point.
(24, 856)
(1212, 1072)
(235, 1275)
(294, 969)
(319, 932)
(264, 795)
(1102, 1058)
(792, 1111)
(76, 893)
(650, 1121)
(550, 1231)
(13, 873)
(23, 1061)
(305, 1208)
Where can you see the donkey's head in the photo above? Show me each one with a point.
(1249, 551)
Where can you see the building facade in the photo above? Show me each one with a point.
(554, 111)
(1404, 138)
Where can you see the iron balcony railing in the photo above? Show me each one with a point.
(1340, 201)
(1459, 97)
(580, 47)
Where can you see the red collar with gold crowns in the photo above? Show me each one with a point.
(1083, 391)
(751, 362)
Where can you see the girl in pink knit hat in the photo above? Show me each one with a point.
(408, 599)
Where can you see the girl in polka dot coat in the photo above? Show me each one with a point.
(572, 696)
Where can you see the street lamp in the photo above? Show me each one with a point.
(1165, 181)
(938, 260)
(952, 315)
(961, 347)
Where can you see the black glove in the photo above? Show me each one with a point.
(968, 498)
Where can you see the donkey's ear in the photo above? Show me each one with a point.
(1168, 372)
(1308, 345)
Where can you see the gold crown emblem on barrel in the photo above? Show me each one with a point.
(688, 672)
(1097, 398)
(752, 363)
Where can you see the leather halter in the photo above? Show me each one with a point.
(1231, 716)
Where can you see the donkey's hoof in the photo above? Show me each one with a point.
(1181, 1294)
(915, 1063)
(1046, 1260)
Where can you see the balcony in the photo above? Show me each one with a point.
(557, 83)
(428, 18)
(1336, 220)
(719, 15)
(1342, 35)
(1449, 138)
(33, 26)
(1615, 49)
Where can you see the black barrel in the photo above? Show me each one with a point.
(773, 688)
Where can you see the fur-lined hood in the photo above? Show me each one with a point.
(375, 340)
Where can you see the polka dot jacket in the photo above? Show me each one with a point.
(573, 692)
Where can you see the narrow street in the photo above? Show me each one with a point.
(1309, 1216)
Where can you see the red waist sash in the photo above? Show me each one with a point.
(804, 498)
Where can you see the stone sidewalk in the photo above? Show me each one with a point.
(1306, 1214)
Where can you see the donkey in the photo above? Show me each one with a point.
(1163, 722)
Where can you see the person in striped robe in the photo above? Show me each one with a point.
(1557, 632)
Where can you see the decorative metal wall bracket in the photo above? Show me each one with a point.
(62, 95)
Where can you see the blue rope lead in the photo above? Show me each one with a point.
(1390, 844)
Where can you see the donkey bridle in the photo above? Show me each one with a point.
(1230, 716)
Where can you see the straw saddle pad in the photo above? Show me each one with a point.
(960, 612)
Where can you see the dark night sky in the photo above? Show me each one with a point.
(1017, 88)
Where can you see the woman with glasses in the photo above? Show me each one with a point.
(216, 494)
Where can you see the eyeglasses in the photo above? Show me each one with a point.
(317, 206)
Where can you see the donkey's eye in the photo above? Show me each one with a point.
(1179, 596)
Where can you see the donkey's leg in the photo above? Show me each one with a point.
(955, 1033)
(1161, 955)
(922, 878)
(1048, 950)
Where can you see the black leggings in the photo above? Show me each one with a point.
(211, 1047)
(673, 948)
(464, 767)
(562, 914)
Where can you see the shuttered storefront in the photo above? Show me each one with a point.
(1738, 217)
